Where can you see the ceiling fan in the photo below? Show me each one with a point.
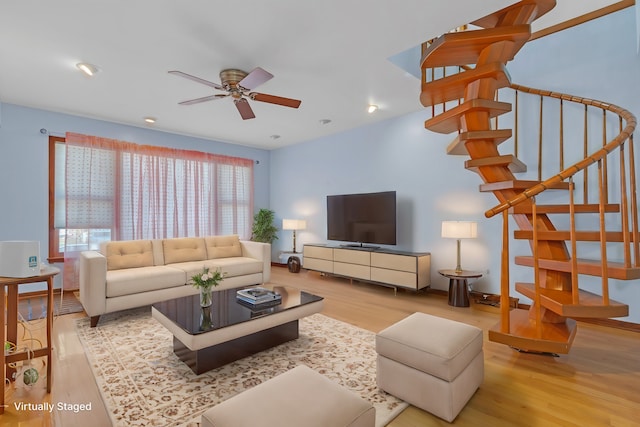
(238, 84)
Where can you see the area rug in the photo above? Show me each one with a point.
(143, 383)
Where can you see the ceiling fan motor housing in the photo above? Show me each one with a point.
(231, 77)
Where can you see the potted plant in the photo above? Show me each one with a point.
(205, 281)
(263, 229)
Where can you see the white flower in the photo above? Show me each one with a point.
(204, 277)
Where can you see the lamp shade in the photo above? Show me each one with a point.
(459, 229)
(294, 224)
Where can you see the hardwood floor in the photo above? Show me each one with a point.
(596, 384)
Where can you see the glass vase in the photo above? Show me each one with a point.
(205, 297)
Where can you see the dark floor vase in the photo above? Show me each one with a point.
(294, 264)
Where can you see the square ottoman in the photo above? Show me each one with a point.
(299, 397)
(433, 363)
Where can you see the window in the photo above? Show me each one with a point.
(104, 189)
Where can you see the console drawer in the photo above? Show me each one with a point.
(318, 252)
(394, 262)
(352, 270)
(317, 264)
(394, 277)
(352, 256)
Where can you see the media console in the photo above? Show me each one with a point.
(386, 267)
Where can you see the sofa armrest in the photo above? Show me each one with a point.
(260, 251)
(93, 282)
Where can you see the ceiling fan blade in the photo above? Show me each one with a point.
(244, 109)
(197, 79)
(255, 78)
(203, 99)
(272, 99)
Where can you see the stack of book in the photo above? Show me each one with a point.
(258, 297)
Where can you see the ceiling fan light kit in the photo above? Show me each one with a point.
(238, 85)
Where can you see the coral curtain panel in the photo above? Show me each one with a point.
(117, 190)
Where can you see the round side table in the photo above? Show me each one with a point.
(458, 288)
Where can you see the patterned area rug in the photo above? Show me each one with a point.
(143, 383)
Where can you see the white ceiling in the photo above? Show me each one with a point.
(331, 54)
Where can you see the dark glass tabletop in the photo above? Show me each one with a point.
(226, 310)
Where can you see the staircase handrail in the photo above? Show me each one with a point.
(616, 142)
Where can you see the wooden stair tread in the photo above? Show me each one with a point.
(464, 47)
(453, 87)
(525, 208)
(519, 185)
(561, 302)
(508, 160)
(457, 146)
(494, 19)
(449, 121)
(616, 270)
(581, 236)
(523, 334)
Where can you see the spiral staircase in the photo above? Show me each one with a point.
(464, 75)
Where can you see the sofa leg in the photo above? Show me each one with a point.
(94, 320)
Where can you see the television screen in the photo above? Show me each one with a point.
(362, 218)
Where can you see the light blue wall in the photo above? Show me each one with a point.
(592, 60)
(397, 154)
(24, 164)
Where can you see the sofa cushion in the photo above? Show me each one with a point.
(223, 246)
(128, 254)
(144, 279)
(231, 267)
(237, 266)
(184, 249)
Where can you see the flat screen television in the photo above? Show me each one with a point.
(362, 218)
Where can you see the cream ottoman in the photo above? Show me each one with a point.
(299, 397)
(433, 363)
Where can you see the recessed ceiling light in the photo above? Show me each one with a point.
(150, 120)
(88, 69)
(324, 121)
(372, 108)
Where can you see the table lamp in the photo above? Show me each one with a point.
(294, 224)
(459, 230)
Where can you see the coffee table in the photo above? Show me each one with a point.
(207, 338)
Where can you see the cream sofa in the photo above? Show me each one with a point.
(134, 273)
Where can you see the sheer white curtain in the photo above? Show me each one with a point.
(117, 190)
(183, 194)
